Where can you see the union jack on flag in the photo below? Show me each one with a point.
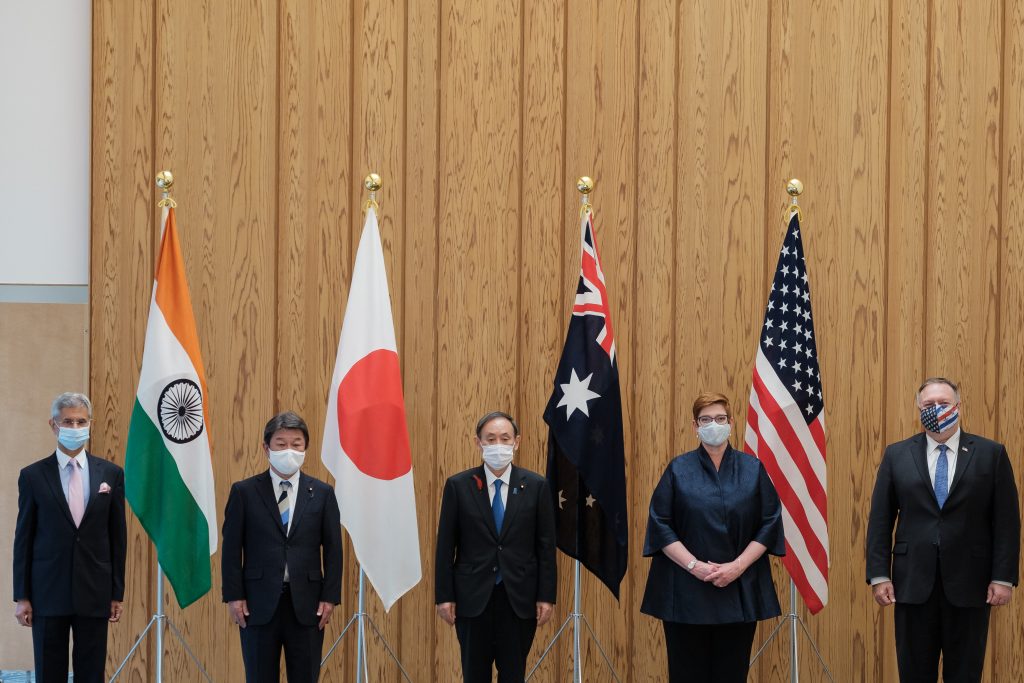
(786, 420)
(591, 295)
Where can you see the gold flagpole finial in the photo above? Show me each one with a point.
(164, 181)
(794, 188)
(372, 182)
(585, 185)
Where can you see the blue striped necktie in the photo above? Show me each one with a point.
(942, 476)
(283, 504)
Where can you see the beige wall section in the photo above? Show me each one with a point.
(44, 350)
(903, 118)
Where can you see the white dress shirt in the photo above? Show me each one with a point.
(504, 484)
(953, 443)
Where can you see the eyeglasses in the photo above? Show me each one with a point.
(71, 423)
(705, 420)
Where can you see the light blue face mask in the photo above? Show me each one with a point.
(72, 438)
(714, 434)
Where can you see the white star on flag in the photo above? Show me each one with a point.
(575, 395)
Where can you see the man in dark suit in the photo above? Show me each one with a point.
(495, 575)
(956, 549)
(70, 543)
(281, 559)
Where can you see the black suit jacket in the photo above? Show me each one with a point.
(61, 569)
(256, 548)
(973, 539)
(470, 551)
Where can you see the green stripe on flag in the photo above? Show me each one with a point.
(168, 511)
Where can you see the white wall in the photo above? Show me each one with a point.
(45, 87)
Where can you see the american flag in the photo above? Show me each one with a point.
(786, 420)
(586, 460)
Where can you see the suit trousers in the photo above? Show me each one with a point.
(261, 647)
(709, 653)
(937, 626)
(50, 646)
(497, 637)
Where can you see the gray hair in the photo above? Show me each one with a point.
(70, 399)
(938, 380)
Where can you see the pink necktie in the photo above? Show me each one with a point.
(76, 501)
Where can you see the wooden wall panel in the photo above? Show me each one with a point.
(903, 119)
(1007, 635)
(420, 183)
(121, 274)
(657, 282)
(544, 240)
(316, 219)
(479, 311)
(602, 119)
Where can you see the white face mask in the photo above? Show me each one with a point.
(286, 462)
(498, 455)
(714, 434)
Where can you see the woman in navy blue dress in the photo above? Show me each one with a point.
(714, 519)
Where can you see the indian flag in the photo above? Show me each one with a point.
(168, 473)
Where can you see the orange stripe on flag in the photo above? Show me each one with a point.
(173, 298)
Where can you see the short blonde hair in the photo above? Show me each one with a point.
(709, 399)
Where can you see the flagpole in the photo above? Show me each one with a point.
(794, 188)
(159, 618)
(585, 185)
(360, 618)
(164, 181)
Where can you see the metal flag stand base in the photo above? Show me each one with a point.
(575, 618)
(159, 619)
(793, 619)
(361, 618)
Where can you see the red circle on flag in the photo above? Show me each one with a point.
(371, 416)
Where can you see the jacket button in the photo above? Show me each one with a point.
(499, 547)
(494, 569)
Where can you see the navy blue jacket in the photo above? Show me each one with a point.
(715, 514)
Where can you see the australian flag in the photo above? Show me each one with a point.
(586, 460)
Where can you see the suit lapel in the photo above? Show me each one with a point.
(920, 454)
(95, 479)
(483, 499)
(516, 486)
(302, 496)
(963, 459)
(265, 484)
(51, 473)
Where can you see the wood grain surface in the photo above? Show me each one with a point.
(904, 119)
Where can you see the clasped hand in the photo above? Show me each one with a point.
(719, 575)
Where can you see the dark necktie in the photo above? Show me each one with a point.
(498, 509)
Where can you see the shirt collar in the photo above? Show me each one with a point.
(63, 459)
(952, 442)
(505, 476)
(294, 479)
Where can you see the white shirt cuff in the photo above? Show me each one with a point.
(879, 579)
